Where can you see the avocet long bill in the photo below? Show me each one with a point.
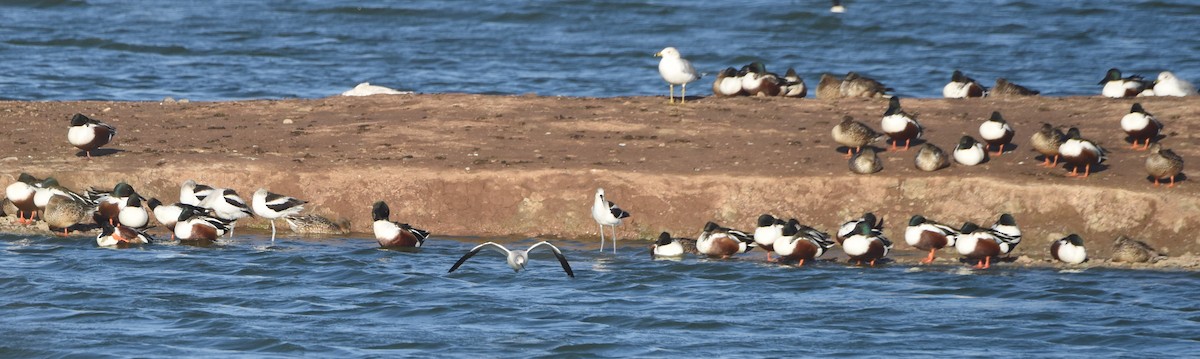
(516, 258)
(88, 134)
(391, 234)
(606, 213)
(271, 206)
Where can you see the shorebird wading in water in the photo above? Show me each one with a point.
(271, 206)
(607, 213)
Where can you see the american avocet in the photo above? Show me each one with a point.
(272, 206)
(606, 213)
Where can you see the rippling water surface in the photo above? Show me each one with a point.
(215, 50)
(344, 297)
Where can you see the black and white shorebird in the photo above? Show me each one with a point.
(193, 193)
(88, 134)
(516, 258)
(996, 132)
(1140, 126)
(227, 205)
(1069, 250)
(899, 125)
(676, 71)
(969, 152)
(606, 213)
(196, 226)
(391, 234)
(272, 206)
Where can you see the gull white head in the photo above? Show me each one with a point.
(669, 52)
(1165, 75)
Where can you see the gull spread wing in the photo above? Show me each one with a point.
(561, 259)
(491, 245)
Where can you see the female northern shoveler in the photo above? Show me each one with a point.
(931, 158)
(865, 162)
(1163, 163)
(1046, 141)
(854, 135)
(1004, 88)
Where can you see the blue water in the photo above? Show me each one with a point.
(344, 297)
(223, 50)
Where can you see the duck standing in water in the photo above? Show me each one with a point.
(928, 235)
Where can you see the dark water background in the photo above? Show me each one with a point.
(344, 297)
(223, 50)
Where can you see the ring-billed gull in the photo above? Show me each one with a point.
(516, 259)
(676, 71)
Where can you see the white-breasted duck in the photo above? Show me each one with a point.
(720, 242)
(168, 214)
(728, 83)
(1046, 141)
(849, 227)
(1169, 85)
(1140, 126)
(110, 203)
(676, 71)
(671, 247)
(1116, 86)
(793, 85)
(88, 134)
(931, 158)
(392, 234)
(854, 135)
(837, 7)
(1079, 151)
(198, 227)
(20, 193)
(272, 206)
(133, 215)
(1005, 229)
(961, 86)
(899, 125)
(969, 152)
(121, 236)
(1069, 250)
(606, 213)
(769, 230)
(866, 245)
(801, 243)
(1004, 88)
(928, 235)
(979, 244)
(756, 81)
(1162, 164)
(996, 132)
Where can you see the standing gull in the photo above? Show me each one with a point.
(676, 71)
(517, 258)
(272, 206)
(607, 213)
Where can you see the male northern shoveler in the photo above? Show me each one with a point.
(850, 227)
(194, 226)
(1046, 141)
(865, 162)
(1079, 151)
(756, 81)
(1117, 87)
(168, 214)
(801, 243)
(516, 259)
(606, 213)
(866, 245)
(793, 85)
(272, 206)
(728, 83)
(900, 125)
(1005, 229)
(720, 242)
(1069, 250)
(768, 231)
(961, 86)
(969, 152)
(670, 247)
(996, 132)
(1163, 163)
(931, 158)
(121, 236)
(391, 234)
(88, 134)
(1169, 85)
(928, 235)
(854, 135)
(1140, 126)
(110, 202)
(133, 215)
(1004, 88)
(676, 71)
(20, 193)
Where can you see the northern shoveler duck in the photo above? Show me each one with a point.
(928, 235)
(606, 213)
(1005, 229)
(676, 71)
(969, 152)
(315, 224)
(88, 134)
(931, 158)
(517, 258)
(866, 245)
(1169, 85)
(996, 132)
(900, 125)
(7, 207)
(1140, 126)
(855, 85)
(793, 85)
(1004, 88)
(110, 202)
(198, 227)
(63, 209)
(756, 81)
(1079, 151)
(133, 215)
(1163, 163)
(769, 229)
(1046, 141)
(720, 242)
(961, 86)
(20, 193)
(271, 206)
(168, 214)
(121, 236)
(391, 234)
(849, 227)
(829, 87)
(1069, 250)
(801, 243)
(854, 135)
(837, 7)
(1117, 87)
(667, 247)
(865, 162)
(728, 83)
(1130, 250)
(227, 205)
(978, 244)
(191, 193)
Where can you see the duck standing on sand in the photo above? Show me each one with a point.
(928, 235)
(676, 71)
(1046, 141)
(854, 135)
(865, 162)
(1079, 151)
(20, 194)
(1004, 88)
(1140, 126)
(1163, 163)
(866, 245)
(728, 83)
(720, 242)
(961, 86)
(801, 243)
(1117, 87)
(391, 234)
(1069, 250)
(88, 134)
(1169, 85)
(969, 152)
(996, 132)
(931, 158)
(900, 125)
